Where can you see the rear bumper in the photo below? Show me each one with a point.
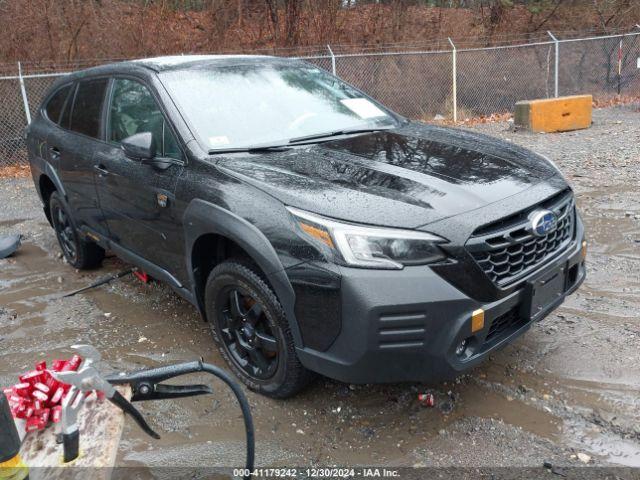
(405, 325)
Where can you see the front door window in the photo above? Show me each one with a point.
(134, 110)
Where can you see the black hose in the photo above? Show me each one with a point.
(246, 412)
(159, 374)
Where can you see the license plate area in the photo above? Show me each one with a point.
(544, 293)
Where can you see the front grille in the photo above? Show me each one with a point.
(504, 325)
(507, 251)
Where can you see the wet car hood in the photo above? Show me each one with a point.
(406, 177)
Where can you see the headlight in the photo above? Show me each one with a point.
(370, 247)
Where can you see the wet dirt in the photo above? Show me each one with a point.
(569, 386)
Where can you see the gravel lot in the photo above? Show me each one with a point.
(565, 393)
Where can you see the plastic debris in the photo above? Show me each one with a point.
(427, 399)
(9, 245)
(37, 398)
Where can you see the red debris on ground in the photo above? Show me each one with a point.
(142, 276)
(37, 398)
(427, 399)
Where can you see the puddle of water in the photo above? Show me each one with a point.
(480, 402)
(147, 326)
(583, 396)
(610, 446)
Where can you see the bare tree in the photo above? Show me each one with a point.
(292, 9)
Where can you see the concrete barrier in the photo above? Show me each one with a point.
(560, 114)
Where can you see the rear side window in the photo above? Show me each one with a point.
(65, 119)
(87, 107)
(56, 103)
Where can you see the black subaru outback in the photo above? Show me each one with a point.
(314, 229)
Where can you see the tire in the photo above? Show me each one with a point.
(81, 254)
(264, 332)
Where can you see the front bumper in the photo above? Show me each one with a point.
(405, 325)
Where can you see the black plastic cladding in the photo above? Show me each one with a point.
(502, 324)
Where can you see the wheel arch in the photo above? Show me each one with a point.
(213, 234)
(48, 182)
(208, 251)
(46, 187)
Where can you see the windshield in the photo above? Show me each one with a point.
(249, 105)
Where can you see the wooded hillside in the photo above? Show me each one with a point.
(67, 30)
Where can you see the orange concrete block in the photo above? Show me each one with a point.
(555, 114)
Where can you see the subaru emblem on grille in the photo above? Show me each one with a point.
(542, 222)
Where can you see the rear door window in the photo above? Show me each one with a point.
(87, 107)
(56, 103)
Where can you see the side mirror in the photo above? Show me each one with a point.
(140, 146)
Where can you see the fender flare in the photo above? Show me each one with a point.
(47, 170)
(53, 176)
(202, 218)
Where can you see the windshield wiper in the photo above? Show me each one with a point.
(256, 149)
(335, 133)
(293, 141)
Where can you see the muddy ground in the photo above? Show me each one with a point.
(565, 393)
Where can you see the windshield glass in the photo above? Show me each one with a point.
(248, 105)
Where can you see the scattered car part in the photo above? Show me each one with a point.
(553, 469)
(427, 399)
(101, 281)
(142, 276)
(9, 245)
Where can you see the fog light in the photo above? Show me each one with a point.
(462, 347)
(584, 249)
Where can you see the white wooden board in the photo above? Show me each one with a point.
(101, 425)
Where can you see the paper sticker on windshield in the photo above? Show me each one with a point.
(217, 141)
(363, 107)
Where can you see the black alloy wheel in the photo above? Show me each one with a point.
(65, 233)
(252, 331)
(80, 253)
(246, 332)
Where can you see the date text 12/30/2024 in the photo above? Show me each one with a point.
(327, 472)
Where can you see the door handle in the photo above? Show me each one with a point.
(101, 170)
(54, 153)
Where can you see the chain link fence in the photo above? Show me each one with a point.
(605, 66)
(492, 81)
(454, 83)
